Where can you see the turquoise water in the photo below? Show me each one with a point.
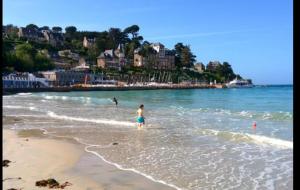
(193, 139)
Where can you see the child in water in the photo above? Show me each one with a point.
(140, 120)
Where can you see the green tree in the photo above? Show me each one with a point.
(92, 54)
(70, 29)
(24, 55)
(42, 63)
(178, 51)
(116, 37)
(102, 41)
(183, 56)
(11, 30)
(32, 26)
(70, 33)
(187, 57)
(133, 30)
(228, 72)
(56, 29)
(44, 28)
(76, 45)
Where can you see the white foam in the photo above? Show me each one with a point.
(272, 141)
(14, 107)
(19, 107)
(102, 121)
(24, 94)
(112, 163)
(32, 108)
(259, 139)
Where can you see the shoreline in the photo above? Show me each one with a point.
(8, 91)
(36, 156)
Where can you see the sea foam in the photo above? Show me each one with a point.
(258, 139)
(102, 121)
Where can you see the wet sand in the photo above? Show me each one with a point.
(34, 157)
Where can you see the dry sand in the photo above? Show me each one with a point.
(38, 159)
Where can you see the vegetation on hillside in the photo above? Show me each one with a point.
(23, 55)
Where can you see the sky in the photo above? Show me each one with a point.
(254, 36)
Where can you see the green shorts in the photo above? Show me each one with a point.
(140, 120)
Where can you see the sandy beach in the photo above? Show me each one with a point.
(35, 157)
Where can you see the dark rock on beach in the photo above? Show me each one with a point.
(115, 143)
(5, 163)
(51, 183)
(41, 183)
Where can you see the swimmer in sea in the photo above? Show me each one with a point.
(140, 120)
(115, 100)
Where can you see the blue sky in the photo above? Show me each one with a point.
(254, 36)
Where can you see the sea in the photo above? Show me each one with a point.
(192, 138)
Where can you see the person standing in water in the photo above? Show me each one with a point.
(140, 120)
(115, 100)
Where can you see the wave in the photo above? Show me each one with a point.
(102, 121)
(272, 141)
(258, 139)
(278, 115)
(77, 98)
(14, 107)
(24, 94)
(20, 107)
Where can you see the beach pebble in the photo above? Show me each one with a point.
(115, 143)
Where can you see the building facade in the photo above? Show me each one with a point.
(163, 59)
(53, 38)
(212, 65)
(88, 42)
(31, 34)
(24, 80)
(199, 67)
(112, 59)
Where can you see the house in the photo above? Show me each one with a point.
(199, 67)
(88, 42)
(31, 34)
(112, 58)
(159, 48)
(162, 59)
(53, 38)
(212, 65)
